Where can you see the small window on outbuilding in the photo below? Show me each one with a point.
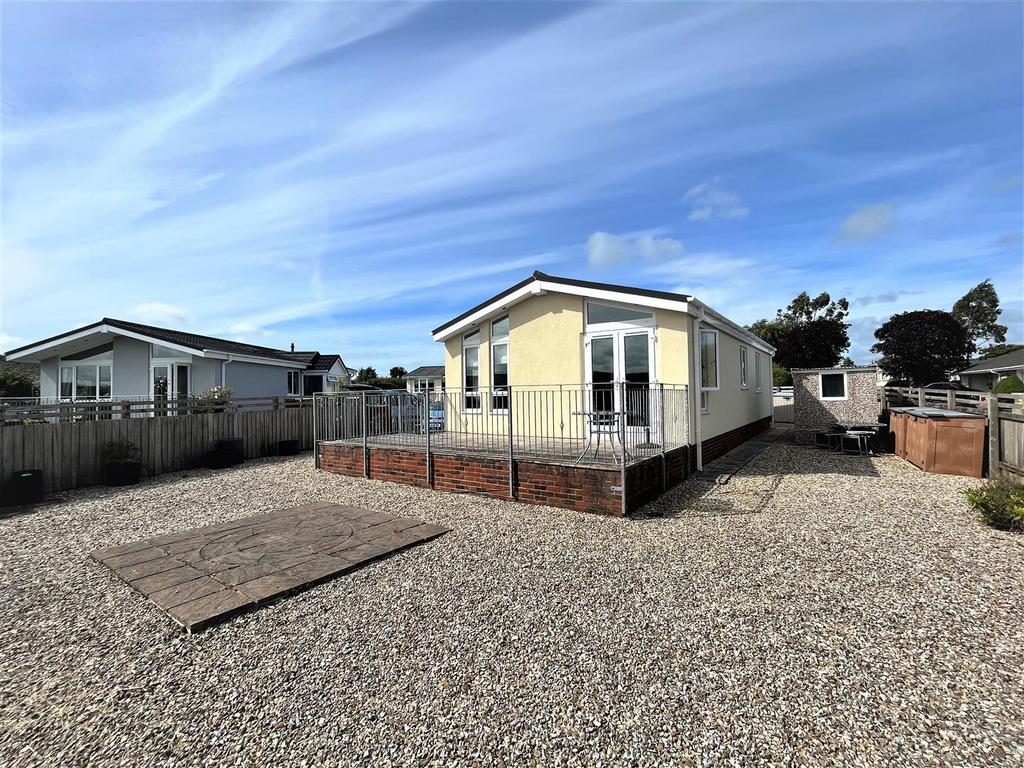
(833, 386)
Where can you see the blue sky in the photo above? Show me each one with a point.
(348, 176)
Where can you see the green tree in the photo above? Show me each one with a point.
(978, 311)
(17, 380)
(922, 346)
(809, 333)
(998, 349)
(397, 372)
(781, 377)
(366, 375)
(1009, 385)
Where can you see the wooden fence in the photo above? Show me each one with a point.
(1005, 443)
(22, 411)
(783, 408)
(70, 453)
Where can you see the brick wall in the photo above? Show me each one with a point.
(644, 480)
(721, 444)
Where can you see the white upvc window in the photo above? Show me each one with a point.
(85, 381)
(499, 364)
(471, 370)
(294, 382)
(609, 316)
(832, 386)
(705, 401)
(743, 367)
(708, 360)
(757, 371)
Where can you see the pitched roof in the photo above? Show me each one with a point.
(195, 341)
(323, 362)
(586, 284)
(426, 372)
(1013, 359)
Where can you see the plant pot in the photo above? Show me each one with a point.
(25, 487)
(218, 458)
(287, 447)
(233, 448)
(123, 472)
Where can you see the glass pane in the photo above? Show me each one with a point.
(473, 337)
(743, 366)
(160, 379)
(708, 359)
(833, 385)
(638, 367)
(472, 363)
(757, 370)
(85, 381)
(159, 351)
(602, 367)
(104, 381)
(499, 358)
(603, 313)
(500, 327)
(67, 382)
(181, 381)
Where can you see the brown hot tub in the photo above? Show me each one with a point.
(937, 440)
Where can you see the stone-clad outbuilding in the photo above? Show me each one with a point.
(823, 397)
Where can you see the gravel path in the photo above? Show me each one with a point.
(817, 609)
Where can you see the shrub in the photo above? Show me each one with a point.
(216, 393)
(1000, 503)
(1008, 386)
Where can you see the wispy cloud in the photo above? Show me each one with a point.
(159, 313)
(866, 224)
(606, 250)
(709, 200)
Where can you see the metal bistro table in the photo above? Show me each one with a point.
(602, 423)
(859, 439)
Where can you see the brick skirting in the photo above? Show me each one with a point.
(580, 488)
(719, 445)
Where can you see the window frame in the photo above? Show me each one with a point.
(718, 372)
(471, 340)
(744, 377)
(757, 371)
(618, 324)
(821, 386)
(298, 378)
(705, 401)
(73, 366)
(499, 400)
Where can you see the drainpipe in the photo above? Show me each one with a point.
(697, 430)
(224, 371)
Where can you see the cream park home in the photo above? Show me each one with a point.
(640, 368)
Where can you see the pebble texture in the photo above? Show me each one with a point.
(817, 610)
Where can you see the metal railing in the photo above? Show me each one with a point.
(615, 423)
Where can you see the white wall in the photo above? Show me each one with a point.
(131, 368)
(256, 380)
(48, 372)
(733, 406)
(205, 374)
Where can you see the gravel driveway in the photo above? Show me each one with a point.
(818, 609)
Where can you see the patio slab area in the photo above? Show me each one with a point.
(202, 575)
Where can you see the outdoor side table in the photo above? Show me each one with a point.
(855, 442)
(601, 423)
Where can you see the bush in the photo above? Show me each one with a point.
(1009, 386)
(999, 502)
(214, 394)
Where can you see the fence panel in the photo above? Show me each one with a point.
(70, 453)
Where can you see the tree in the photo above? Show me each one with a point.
(17, 380)
(809, 333)
(366, 375)
(1008, 385)
(978, 311)
(999, 349)
(397, 372)
(781, 377)
(922, 346)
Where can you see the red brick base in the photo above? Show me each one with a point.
(580, 488)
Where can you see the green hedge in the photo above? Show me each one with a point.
(999, 502)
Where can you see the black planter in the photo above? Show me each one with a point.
(219, 459)
(287, 447)
(233, 448)
(25, 487)
(123, 472)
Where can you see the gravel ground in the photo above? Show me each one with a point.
(818, 609)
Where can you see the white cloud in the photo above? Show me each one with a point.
(605, 249)
(159, 313)
(866, 224)
(709, 200)
(7, 341)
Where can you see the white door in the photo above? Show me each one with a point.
(620, 364)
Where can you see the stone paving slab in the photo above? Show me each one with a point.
(207, 574)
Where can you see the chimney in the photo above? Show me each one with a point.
(293, 346)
